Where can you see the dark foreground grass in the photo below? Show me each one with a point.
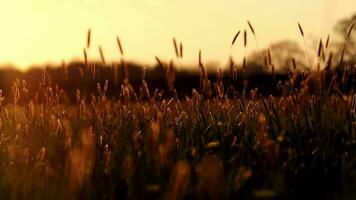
(214, 144)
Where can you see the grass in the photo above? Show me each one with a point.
(219, 142)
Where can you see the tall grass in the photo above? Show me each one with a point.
(209, 145)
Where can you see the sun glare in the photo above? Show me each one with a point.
(38, 32)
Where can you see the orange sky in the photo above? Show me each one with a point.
(42, 31)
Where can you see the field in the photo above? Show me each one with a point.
(223, 135)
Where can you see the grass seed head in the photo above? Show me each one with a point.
(301, 29)
(88, 38)
(245, 38)
(175, 47)
(234, 39)
(102, 55)
(350, 30)
(251, 27)
(119, 45)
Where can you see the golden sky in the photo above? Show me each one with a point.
(42, 31)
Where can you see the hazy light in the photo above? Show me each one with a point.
(41, 31)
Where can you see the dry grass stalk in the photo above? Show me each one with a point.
(294, 64)
(200, 62)
(181, 50)
(93, 69)
(305, 44)
(88, 38)
(44, 76)
(301, 29)
(345, 44)
(175, 47)
(244, 64)
(233, 40)
(160, 64)
(170, 76)
(203, 72)
(251, 27)
(257, 44)
(245, 38)
(85, 57)
(327, 42)
(203, 77)
(102, 55)
(350, 30)
(329, 62)
(265, 61)
(269, 58)
(119, 45)
(320, 47)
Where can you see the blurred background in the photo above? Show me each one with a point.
(38, 32)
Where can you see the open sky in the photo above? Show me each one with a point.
(47, 31)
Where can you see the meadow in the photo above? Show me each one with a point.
(220, 136)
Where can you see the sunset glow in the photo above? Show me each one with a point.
(39, 32)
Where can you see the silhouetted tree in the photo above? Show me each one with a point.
(282, 53)
(347, 43)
